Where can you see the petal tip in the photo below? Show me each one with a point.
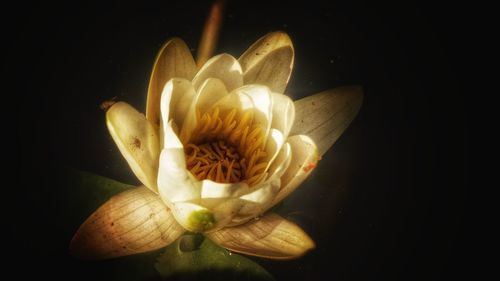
(83, 246)
(281, 35)
(356, 92)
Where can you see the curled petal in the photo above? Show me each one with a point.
(137, 140)
(173, 60)
(131, 222)
(224, 67)
(269, 61)
(326, 115)
(270, 237)
(303, 161)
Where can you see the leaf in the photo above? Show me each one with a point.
(193, 257)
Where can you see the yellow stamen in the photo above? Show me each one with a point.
(227, 147)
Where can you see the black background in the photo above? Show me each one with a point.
(388, 202)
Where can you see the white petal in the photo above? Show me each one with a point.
(235, 100)
(325, 116)
(137, 140)
(280, 165)
(131, 222)
(281, 162)
(283, 113)
(176, 99)
(210, 92)
(269, 61)
(173, 60)
(273, 146)
(249, 97)
(224, 67)
(175, 183)
(304, 158)
(211, 189)
(271, 237)
(256, 201)
(261, 100)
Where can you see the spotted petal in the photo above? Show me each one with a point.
(269, 61)
(131, 222)
(137, 140)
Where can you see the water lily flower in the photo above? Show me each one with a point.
(217, 148)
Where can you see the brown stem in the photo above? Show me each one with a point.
(210, 34)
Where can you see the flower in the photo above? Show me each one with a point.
(217, 148)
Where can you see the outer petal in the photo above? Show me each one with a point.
(131, 222)
(224, 67)
(303, 161)
(137, 140)
(326, 115)
(173, 60)
(269, 61)
(271, 237)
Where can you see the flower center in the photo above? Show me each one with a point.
(227, 147)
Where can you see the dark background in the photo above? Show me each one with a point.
(388, 202)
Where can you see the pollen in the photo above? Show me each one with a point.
(227, 147)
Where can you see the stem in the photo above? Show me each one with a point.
(208, 41)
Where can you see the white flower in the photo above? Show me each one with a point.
(217, 146)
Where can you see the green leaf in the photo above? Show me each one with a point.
(193, 257)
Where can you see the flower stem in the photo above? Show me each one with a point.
(210, 34)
